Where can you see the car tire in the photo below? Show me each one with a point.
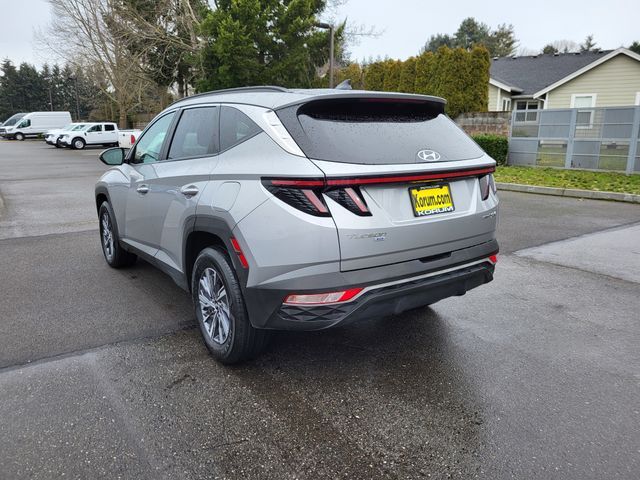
(78, 143)
(19, 136)
(58, 144)
(114, 254)
(221, 312)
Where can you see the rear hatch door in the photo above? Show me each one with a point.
(401, 178)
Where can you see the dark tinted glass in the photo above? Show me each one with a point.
(195, 134)
(376, 131)
(235, 127)
(109, 128)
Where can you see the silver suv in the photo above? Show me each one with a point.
(301, 209)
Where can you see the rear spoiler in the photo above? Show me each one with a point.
(364, 95)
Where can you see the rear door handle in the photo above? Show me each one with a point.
(189, 190)
(143, 189)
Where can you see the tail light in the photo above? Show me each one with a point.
(305, 195)
(351, 199)
(487, 185)
(133, 139)
(322, 298)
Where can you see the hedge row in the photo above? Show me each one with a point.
(496, 146)
(458, 75)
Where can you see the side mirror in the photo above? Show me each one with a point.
(113, 156)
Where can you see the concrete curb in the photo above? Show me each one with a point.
(570, 192)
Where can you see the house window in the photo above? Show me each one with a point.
(524, 111)
(506, 104)
(584, 103)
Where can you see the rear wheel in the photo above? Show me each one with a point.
(220, 310)
(19, 136)
(114, 254)
(78, 143)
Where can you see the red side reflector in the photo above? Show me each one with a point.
(322, 298)
(238, 250)
(493, 258)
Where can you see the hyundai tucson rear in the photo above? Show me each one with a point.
(303, 209)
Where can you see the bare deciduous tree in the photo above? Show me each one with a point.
(165, 34)
(80, 33)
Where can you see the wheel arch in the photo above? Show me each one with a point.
(102, 195)
(205, 231)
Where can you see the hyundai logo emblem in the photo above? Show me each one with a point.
(428, 156)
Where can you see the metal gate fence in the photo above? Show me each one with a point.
(588, 138)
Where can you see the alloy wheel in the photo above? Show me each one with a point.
(214, 306)
(107, 236)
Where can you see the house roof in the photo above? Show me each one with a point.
(530, 75)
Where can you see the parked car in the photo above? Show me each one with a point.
(51, 137)
(36, 123)
(9, 122)
(301, 209)
(97, 133)
(126, 138)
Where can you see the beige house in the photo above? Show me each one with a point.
(565, 80)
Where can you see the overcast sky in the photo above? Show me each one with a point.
(405, 24)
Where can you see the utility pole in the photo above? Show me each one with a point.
(331, 48)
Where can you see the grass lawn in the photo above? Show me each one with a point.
(583, 180)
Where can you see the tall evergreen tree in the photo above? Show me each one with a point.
(251, 42)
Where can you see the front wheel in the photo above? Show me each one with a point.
(114, 254)
(78, 143)
(19, 136)
(220, 310)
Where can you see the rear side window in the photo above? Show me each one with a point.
(195, 134)
(235, 128)
(109, 128)
(376, 131)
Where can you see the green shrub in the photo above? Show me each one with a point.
(496, 146)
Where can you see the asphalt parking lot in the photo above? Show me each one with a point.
(103, 374)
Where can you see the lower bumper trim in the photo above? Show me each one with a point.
(384, 300)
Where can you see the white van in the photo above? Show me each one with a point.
(36, 123)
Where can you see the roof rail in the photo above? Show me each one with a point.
(261, 88)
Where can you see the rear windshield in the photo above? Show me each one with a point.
(377, 131)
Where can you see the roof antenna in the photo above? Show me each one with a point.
(344, 85)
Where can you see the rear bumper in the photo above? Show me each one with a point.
(380, 298)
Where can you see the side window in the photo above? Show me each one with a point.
(150, 143)
(109, 128)
(95, 128)
(196, 133)
(25, 123)
(235, 128)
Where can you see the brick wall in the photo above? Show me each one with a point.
(485, 122)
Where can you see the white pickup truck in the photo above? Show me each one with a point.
(95, 133)
(126, 138)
